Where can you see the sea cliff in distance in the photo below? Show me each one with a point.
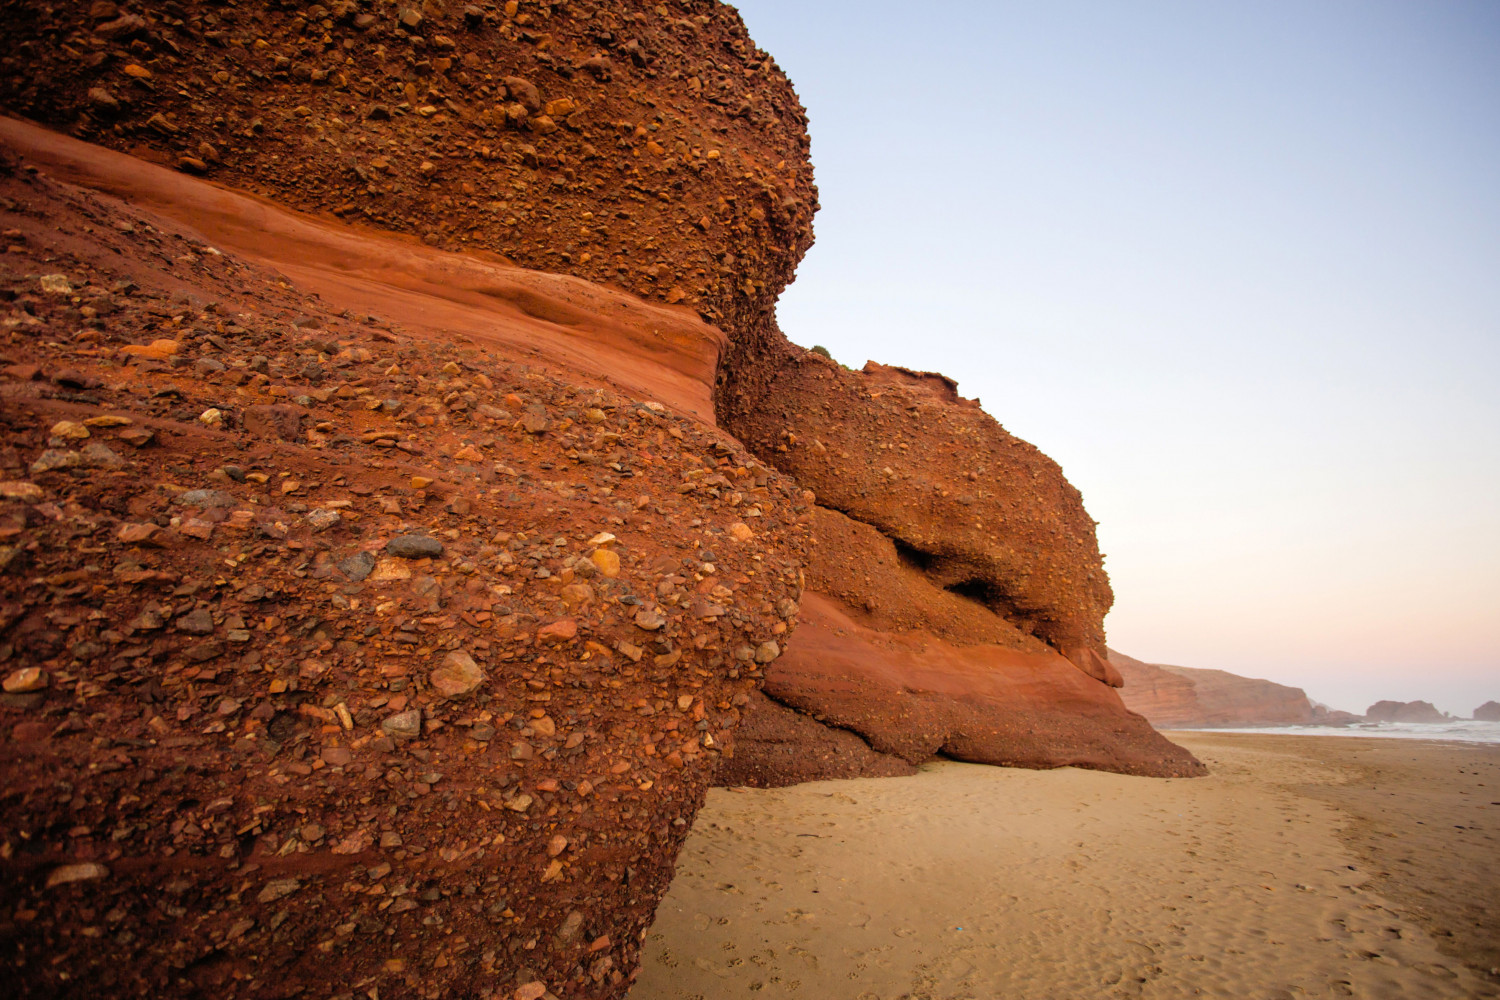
(1172, 697)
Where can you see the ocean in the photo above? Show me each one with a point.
(1454, 730)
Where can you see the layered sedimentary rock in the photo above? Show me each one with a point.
(1404, 711)
(912, 670)
(375, 614)
(914, 696)
(777, 745)
(651, 149)
(320, 625)
(335, 653)
(960, 550)
(978, 511)
(1189, 697)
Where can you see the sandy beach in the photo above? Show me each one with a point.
(1300, 867)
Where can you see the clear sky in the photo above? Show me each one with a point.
(1235, 266)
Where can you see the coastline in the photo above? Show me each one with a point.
(1450, 731)
(1298, 867)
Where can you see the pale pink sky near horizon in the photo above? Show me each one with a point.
(1236, 267)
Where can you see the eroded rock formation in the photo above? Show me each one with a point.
(963, 553)
(1488, 712)
(914, 670)
(335, 653)
(915, 696)
(978, 511)
(662, 153)
(375, 615)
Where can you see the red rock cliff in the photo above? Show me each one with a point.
(1188, 697)
(383, 610)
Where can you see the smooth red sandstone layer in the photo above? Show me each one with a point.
(915, 696)
(648, 350)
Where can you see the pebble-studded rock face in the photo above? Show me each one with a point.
(336, 658)
(647, 146)
(347, 660)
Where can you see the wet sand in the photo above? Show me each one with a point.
(1300, 867)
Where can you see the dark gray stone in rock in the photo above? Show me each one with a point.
(414, 547)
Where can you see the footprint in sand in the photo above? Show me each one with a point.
(712, 968)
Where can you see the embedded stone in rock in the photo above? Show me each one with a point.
(276, 421)
(535, 420)
(17, 489)
(138, 436)
(55, 458)
(337, 756)
(322, 520)
(358, 566)
(85, 872)
(403, 725)
(198, 622)
(70, 429)
(390, 569)
(741, 532)
(608, 562)
(97, 455)
(571, 926)
(524, 93)
(767, 652)
(139, 534)
(278, 888)
(458, 675)
(558, 632)
(206, 499)
(414, 547)
(26, 680)
(157, 350)
(56, 284)
(575, 595)
(649, 620)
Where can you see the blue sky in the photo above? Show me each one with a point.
(1235, 266)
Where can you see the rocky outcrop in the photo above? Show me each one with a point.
(660, 153)
(977, 511)
(887, 659)
(1192, 698)
(777, 746)
(376, 608)
(1488, 712)
(1404, 711)
(363, 654)
(914, 696)
(1325, 716)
